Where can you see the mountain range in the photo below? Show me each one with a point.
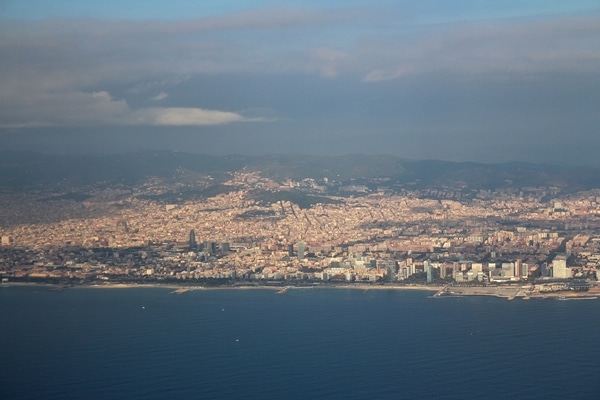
(26, 170)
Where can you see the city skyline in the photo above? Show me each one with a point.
(521, 241)
(470, 81)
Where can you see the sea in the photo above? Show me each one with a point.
(147, 343)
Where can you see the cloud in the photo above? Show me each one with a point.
(100, 109)
(181, 116)
(85, 51)
(48, 68)
(160, 96)
(57, 71)
(102, 96)
(508, 47)
(80, 53)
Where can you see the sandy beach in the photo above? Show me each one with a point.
(182, 289)
(505, 292)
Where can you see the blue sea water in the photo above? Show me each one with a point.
(146, 343)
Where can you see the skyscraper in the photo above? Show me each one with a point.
(429, 271)
(300, 250)
(192, 240)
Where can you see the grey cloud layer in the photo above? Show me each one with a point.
(520, 47)
(55, 72)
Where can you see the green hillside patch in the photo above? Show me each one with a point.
(302, 200)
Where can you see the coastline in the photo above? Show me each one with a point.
(179, 289)
(521, 292)
(504, 292)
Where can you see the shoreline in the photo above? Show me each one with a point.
(508, 293)
(182, 289)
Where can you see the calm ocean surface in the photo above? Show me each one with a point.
(86, 343)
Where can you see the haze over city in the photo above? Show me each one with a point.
(459, 81)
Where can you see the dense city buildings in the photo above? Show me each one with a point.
(429, 237)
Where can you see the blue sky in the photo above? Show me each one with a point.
(185, 9)
(456, 80)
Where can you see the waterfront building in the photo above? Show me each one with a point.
(476, 268)
(517, 272)
(508, 270)
(524, 270)
(559, 267)
(429, 271)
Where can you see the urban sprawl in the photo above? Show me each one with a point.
(526, 236)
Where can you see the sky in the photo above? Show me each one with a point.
(462, 80)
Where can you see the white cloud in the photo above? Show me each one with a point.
(102, 95)
(160, 96)
(180, 116)
(48, 67)
(100, 109)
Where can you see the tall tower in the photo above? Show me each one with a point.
(517, 265)
(300, 250)
(192, 240)
(429, 271)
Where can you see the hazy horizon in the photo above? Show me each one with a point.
(467, 81)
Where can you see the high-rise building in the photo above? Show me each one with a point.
(429, 270)
(192, 240)
(559, 267)
(300, 250)
(209, 247)
(291, 250)
(517, 265)
(224, 247)
(524, 270)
